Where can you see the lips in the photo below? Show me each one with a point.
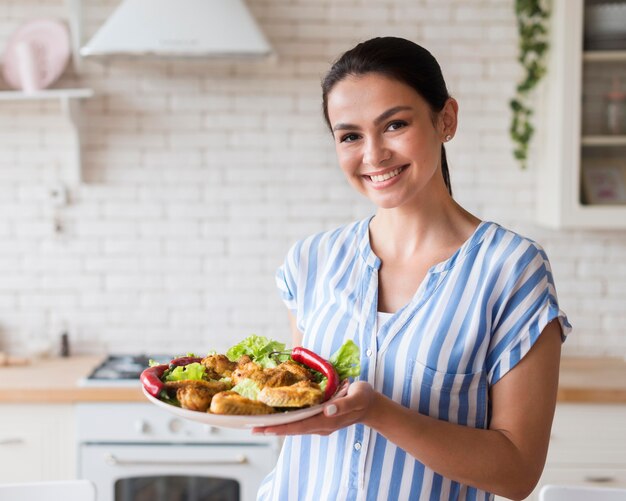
(385, 176)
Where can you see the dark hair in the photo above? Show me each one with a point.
(401, 60)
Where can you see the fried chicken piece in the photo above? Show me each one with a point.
(278, 377)
(196, 395)
(230, 402)
(302, 394)
(243, 360)
(301, 372)
(285, 374)
(218, 366)
(249, 370)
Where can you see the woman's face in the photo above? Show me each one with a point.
(387, 144)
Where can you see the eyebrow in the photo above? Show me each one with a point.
(380, 118)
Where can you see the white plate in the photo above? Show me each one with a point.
(227, 421)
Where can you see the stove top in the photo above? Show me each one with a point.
(121, 370)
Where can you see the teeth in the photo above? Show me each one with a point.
(388, 175)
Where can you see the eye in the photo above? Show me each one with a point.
(348, 138)
(396, 124)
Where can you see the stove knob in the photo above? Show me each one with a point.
(175, 425)
(142, 427)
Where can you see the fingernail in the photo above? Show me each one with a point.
(330, 410)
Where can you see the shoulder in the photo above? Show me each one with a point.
(324, 242)
(508, 248)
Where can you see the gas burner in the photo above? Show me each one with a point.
(121, 369)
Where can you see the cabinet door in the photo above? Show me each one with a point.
(36, 443)
(587, 447)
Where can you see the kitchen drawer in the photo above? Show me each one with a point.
(588, 434)
(36, 443)
(588, 476)
(585, 423)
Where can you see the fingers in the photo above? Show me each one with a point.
(330, 410)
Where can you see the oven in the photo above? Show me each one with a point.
(136, 451)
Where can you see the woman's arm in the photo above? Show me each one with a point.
(507, 459)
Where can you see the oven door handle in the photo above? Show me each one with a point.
(115, 461)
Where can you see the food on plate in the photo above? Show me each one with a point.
(302, 394)
(196, 395)
(256, 376)
(231, 402)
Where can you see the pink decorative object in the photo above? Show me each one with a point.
(36, 55)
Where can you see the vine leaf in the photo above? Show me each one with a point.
(532, 25)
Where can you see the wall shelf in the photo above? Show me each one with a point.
(603, 140)
(604, 56)
(70, 106)
(46, 94)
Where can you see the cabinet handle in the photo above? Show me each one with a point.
(599, 479)
(115, 461)
(11, 441)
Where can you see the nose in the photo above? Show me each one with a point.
(376, 152)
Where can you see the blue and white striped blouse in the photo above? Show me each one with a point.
(472, 319)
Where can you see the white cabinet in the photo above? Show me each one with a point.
(36, 443)
(580, 164)
(587, 446)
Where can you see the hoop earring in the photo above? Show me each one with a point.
(448, 137)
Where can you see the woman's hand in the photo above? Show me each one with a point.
(342, 412)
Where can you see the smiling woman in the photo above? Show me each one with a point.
(457, 318)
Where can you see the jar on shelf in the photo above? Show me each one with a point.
(616, 109)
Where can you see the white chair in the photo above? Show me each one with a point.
(574, 493)
(71, 490)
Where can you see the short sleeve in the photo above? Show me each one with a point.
(523, 306)
(286, 278)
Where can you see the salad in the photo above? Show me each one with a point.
(256, 376)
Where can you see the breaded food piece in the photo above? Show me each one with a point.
(216, 385)
(249, 370)
(197, 395)
(302, 394)
(218, 366)
(230, 402)
(243, 360)
(278, 377)
(301, 372)
(285, 374)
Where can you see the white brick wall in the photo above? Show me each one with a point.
(200, 174)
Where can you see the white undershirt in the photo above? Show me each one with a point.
(381, 318)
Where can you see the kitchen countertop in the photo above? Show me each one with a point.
(55, 380)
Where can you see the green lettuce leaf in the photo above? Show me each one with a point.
(193, 371)
(347, 360)
(258, 348)
(247, 388)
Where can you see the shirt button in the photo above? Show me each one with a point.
(368, 353)
(357, 446)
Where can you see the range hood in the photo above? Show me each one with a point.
(179, 28)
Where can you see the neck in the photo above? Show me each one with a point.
(403, 232)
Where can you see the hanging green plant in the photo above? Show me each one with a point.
(533, 17)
